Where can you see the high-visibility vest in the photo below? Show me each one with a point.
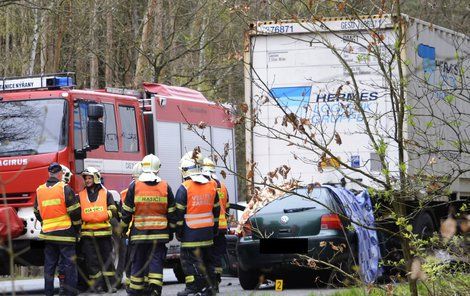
(123, 195)
(200, 202)
(151, 206)
(223, 194)
(52, 207)
(94, 214)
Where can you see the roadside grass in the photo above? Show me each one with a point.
(451, 285)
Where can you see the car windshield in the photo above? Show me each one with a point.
(32, 126)
(296, 202)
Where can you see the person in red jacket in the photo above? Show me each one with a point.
(197, 211)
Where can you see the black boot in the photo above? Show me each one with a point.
(188, 291)
(154, 290)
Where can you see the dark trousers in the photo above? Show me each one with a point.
(121, 252)
(66, 253)
(99, 260)
(219, 252)
(128, 263)
(198, 266)
(147, 267)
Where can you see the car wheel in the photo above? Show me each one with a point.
(249, 279)
(178, 270)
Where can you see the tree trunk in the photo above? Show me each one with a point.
(202, 52)
(94, 82)
(157, 41)
(143, 48)
(58, 43)
(34, 41)
(7, 42)
(109, 75)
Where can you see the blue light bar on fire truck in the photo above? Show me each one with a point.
(50, 81)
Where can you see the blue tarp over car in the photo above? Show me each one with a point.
(359, 209)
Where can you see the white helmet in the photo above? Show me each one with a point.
(91, 171)
(137, 170)
(150, 167)
(66, 174)
(191, 166)
(208, 168)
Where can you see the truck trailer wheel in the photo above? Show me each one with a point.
(424, 225)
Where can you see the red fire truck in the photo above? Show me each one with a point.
(44, 119)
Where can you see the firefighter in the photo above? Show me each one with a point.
(150, 205)
(98, 208)
(125, 265)
(197, 210)
(58, 210)
(66, 177)
(220, 243)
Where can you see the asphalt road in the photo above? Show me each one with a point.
(229, 286)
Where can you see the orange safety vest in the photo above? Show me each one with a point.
(200, 202)
(94, 214)
(151, 206)
(223, 193)
(52, 207)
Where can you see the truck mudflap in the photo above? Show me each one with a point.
(10, 223)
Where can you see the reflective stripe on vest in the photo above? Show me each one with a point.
(223, 193)
(151, 206)
(52, 207)
(94, 214)
(200, 202)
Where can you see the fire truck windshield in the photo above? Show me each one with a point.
(32, 126)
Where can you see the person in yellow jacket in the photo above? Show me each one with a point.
(150, 205)
(58, 210)
(197, 211)
(220, 242)
(98, 208)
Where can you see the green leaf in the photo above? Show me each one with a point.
(403, 167)
(429, 124)
(409, 228)
(449, 98)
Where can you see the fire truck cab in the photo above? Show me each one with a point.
(44, 119)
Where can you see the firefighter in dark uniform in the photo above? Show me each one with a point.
(150, 205)
(124, 263)
(98, 208)
(197, 210)
(58, 210)
(220, 243)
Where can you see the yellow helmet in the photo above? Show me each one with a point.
(150, 167)
(66, 174)
(91, 171)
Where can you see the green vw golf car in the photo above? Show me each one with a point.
(282, 237)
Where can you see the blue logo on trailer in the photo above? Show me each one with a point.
(428, 54)
(297, 96)
(355, 161)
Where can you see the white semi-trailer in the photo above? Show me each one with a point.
(323, 70)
